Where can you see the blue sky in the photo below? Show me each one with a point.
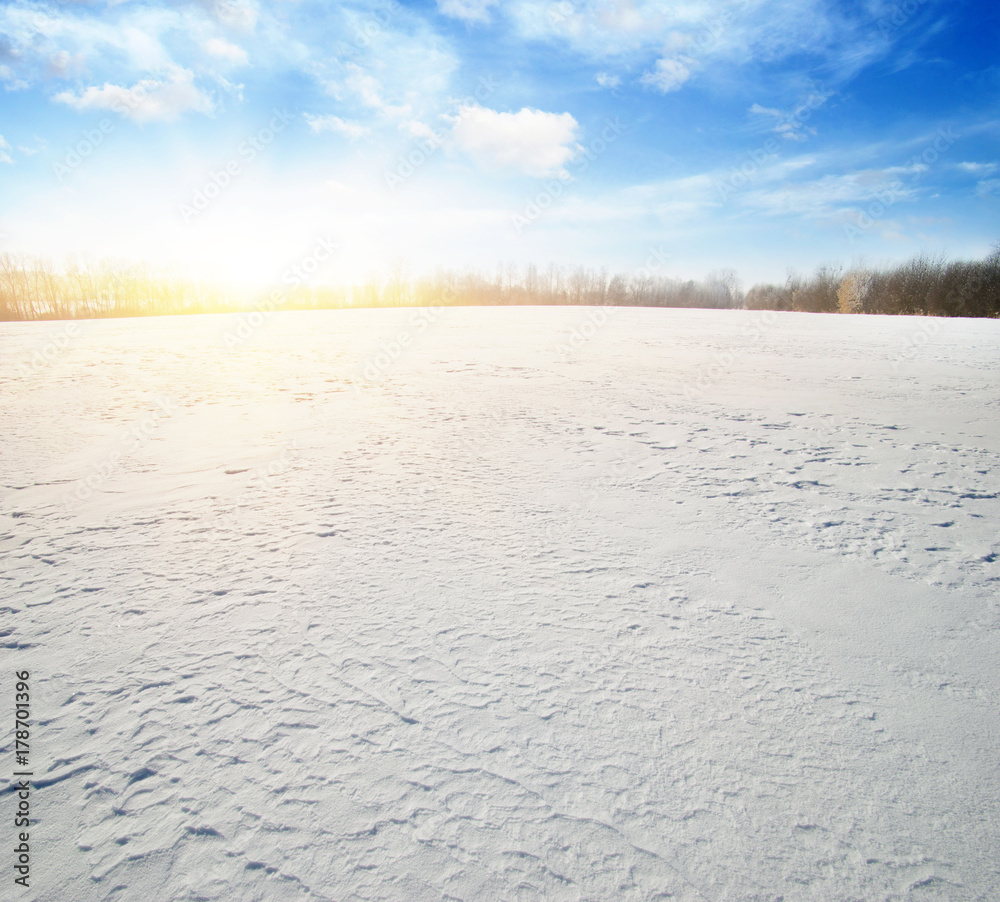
(226, 137)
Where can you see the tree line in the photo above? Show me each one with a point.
(922, 286)
(32, 289)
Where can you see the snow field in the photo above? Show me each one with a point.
(699, 605)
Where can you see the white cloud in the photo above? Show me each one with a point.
(789, 132)
(766, 111)
(4, 155)
(909, 169)
(467, 10)
(146, 100)
(988, 187)
(608, 81)
(978, 168)
(531, 141)
(228, 53)
(320, 124)
(668, 75)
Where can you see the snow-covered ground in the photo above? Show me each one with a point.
(505, 604)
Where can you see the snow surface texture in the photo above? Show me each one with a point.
(532, 604)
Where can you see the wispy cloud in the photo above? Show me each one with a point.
(31, 151)
(147, 100)
(791, 124)
(978, 169)
(367, 89)
(829, 195)
(352, 130)
(720, 31)
(401, 77)
(467, 10)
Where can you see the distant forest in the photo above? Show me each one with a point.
(31, 289)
